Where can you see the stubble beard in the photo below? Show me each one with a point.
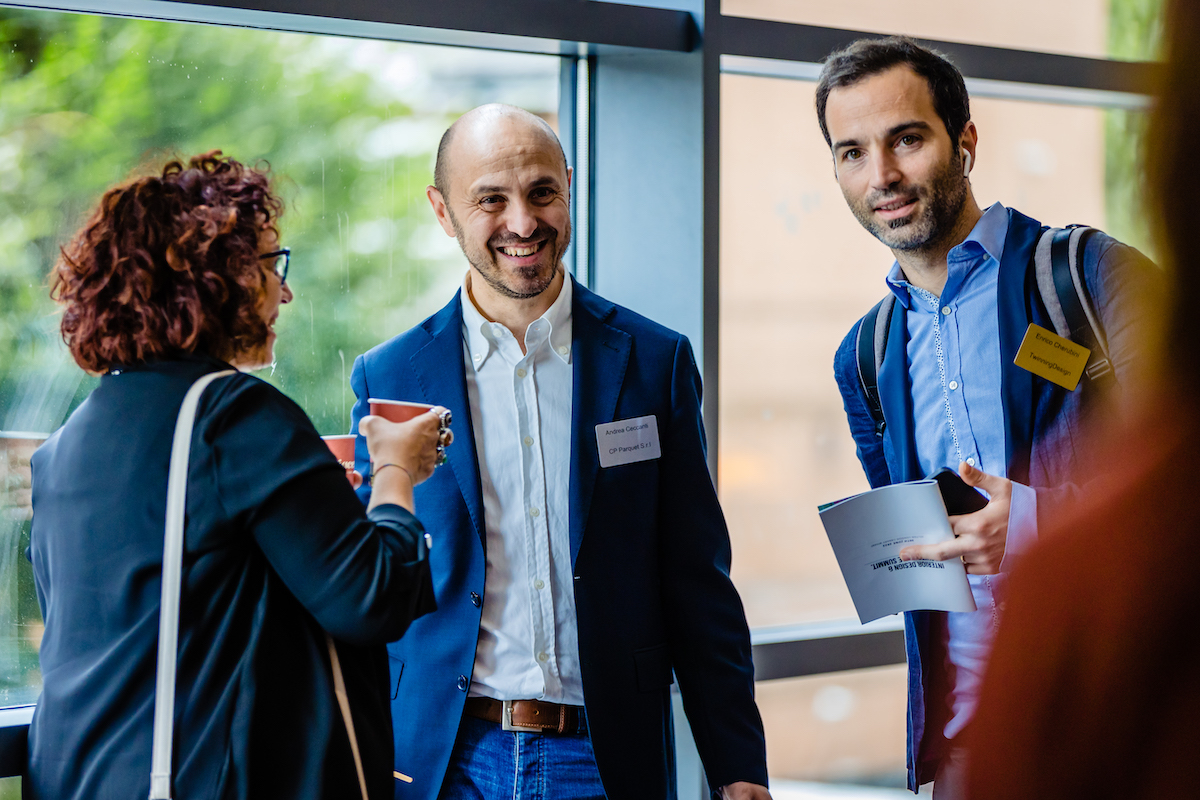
(520, 283)
(944, 199)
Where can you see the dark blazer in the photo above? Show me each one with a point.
(649, 548)
(1042, 428)
(276, 549)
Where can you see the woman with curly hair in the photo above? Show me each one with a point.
(175, 276)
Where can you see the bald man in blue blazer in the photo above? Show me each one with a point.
(575, 581)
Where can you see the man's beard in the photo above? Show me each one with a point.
(943, 201)
(520, 283)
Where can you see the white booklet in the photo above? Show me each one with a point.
(869, 530)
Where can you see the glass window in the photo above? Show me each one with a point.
(845, 727)
(1126, 29)
(349, 128)
(797, 271)
(20, 620)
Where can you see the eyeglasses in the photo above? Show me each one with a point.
(281, 258)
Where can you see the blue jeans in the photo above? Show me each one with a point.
(489, 763)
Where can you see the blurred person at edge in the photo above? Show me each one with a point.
(1093, 690)
(572, 590)
(897, 119)
(174, 276)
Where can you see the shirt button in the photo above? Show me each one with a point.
(462, 683)
(528, 440)
(562, 351)
(542, 657)
(971, 461)
(520, 373)
(476, 600)
(953, 385)
(538, 584)
(478, 357)
(533, 512)
(946, 311)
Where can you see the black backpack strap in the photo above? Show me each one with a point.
(870, 347)
(1058, 260)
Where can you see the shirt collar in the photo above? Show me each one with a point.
(989, 232)
(478, 330)
(986, 239)
(559, 317)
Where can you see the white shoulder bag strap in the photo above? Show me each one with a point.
(168, 619)
(172, 571)
(339, 689)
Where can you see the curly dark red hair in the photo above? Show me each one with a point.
(168, 264)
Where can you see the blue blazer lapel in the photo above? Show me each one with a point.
(1016, 384)
(599, 356)
(895, 395)
(438, 368)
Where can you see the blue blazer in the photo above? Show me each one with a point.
(1042, 429)
(649, 549)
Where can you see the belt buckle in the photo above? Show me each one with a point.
(506, 722)
(506, 718)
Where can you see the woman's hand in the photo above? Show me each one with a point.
(412, 445)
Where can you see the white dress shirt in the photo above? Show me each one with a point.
(521, 411)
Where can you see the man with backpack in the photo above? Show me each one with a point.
(928, 377)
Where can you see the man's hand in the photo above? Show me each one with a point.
(742, 790)
(979, 538)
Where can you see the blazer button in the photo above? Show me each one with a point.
(462, 683)
(476, 600)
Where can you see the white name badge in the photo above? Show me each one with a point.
(627, 441)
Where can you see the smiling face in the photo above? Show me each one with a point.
(507, 202)
(900, 172)
(275, 294)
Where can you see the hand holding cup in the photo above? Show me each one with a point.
(416, 445)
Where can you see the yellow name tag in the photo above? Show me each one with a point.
(1050, 356)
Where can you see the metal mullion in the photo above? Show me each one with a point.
(14, 722)
(584, 157)
(787, 41)
(715, 26)
(978, 87)
(540, 26)
(814, 649)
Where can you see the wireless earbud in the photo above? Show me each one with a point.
(966, 162)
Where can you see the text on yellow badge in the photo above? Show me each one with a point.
(1050, 356)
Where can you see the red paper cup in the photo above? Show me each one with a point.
(397, 410)
(342, 447)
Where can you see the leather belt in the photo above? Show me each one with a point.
(530, 716)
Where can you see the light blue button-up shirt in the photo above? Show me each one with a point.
(954, 364)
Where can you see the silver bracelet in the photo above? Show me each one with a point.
(411, 479)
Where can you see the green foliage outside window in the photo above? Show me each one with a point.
(349, 129)
(88, 99)
(1134, 33)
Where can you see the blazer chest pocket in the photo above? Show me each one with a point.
(653, 667)
(396, 668)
